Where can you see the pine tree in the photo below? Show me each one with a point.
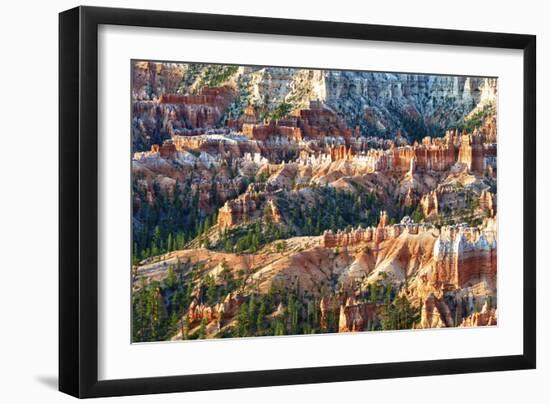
(170, 243)
(211, 291)
(251, 314)
(179, 241)
(260, 320)
(157, 241)
(316, 316)
(202, 329)
(388, 292)
(242, 321)
(200, 229)
(189, 288)
(388, 317)
(406, 314)
(292, 314)
(184, 328)
(170, 278)
(279, 327)
(398, 315)
(373, 293)
(227, 277)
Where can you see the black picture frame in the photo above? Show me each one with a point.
(78, 201)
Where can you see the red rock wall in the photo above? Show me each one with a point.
(238, 210)
(370, 234)
(475, 266)
(356, 316)
(433, 154)
(341, 153)
(200, 111)
(463, 257)
(265, 131)
(471, 152)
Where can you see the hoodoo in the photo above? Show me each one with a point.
(273, 201)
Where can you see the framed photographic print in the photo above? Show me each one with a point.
(250, 201)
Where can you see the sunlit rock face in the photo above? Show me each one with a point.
(277, 201)
(388, 101)
(198, 111)
(466, 255)
(239, 209)
(487, 316)
(356, 316)
(379, 104)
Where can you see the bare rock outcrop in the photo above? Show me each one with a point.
(435, 313)
(224, 310)
(241, 209)
(486, 317)
(356, 316)
(429, 204)
(199, 111)
(464, 256)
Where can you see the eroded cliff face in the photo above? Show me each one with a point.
(277, 200)
(378, 104)
(381, 103)
(449, 275)
(271, 86)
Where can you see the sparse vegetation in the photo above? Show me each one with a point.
(476, 120)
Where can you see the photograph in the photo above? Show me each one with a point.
(283, 201)
(275, 202)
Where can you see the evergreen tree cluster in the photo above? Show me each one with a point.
(168, 223)
(158, 306)
(251, 237)
(416, 128)
(476, 120)
(258, 315)
(148, 314)
(335, 210)
(398, 314)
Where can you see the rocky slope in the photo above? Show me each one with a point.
(378, 103)
(449, 274)
(272, 201)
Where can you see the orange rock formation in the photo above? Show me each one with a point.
(239, 210)
(356, 316)
(487, 316)
(203, 110)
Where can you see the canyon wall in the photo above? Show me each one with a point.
(378, 234)
(432, 154)
(464, 256)
(461, 256)
(377, 104)
(381, 103)
(355, 316)
(198, 111)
